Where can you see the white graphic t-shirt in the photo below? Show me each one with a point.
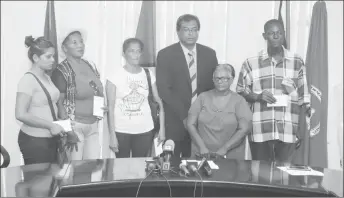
(132, 111)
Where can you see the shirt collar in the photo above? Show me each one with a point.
(186, 50)
(286, 53)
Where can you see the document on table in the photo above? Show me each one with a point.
(65, 124)
(98, 104)
(210, 162)
(157, 147)
(296, 172)
(281, 101)
(213, 165)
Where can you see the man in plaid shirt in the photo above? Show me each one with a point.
(274, 83)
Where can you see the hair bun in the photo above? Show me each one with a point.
(29, 41)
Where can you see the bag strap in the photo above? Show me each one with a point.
(48, 96)
(149, 82)
(93, 67)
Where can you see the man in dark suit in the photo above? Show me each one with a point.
(184, 70)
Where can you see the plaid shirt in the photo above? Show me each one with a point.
(263, 73)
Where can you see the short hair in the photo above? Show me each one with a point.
(227, 67)
(272, 21)
(187, 18)
(37, 46)
(129, 41)
(67, 37)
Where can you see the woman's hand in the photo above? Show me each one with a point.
(161, 135)
(222, 151)
(203, 150)
(72, 141)
(105, 109)
(56, 129)
(113, 145)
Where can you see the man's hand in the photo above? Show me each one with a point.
(289, 85)
(308, 109)
(266, 96)
(185, 122)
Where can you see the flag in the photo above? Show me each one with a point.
(280, 18)
(146, 33)
(317, 76)
(50, 28)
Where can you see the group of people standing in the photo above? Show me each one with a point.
(198, 110)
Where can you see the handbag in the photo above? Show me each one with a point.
(154, 106)
(62, 156)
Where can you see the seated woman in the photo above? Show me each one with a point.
(219, 119)
(74, 77)
(129, 110)
(36, 136)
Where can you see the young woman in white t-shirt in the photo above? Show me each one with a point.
(130, 117)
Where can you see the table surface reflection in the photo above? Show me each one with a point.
(42, 180)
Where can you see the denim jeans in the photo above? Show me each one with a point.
(138, 144)
(37, 149)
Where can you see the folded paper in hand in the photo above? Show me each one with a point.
(65, 124)
(281, 101)
(98, 104)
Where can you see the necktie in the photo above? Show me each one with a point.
(193, 76)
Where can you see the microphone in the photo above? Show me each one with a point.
(95, 88)
(183, 168)
(192, 168)
(168, 149)
(151, 166)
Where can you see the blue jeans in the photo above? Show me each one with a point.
(37, 149)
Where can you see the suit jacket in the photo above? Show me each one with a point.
(174, 84)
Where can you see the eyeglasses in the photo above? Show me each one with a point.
(223, 79)
(193, 30)
(280, 33)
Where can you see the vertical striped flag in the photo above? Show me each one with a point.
(284, 8)
(146, 33)
(317, 75)
(50, 28)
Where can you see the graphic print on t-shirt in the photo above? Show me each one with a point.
(131, 103)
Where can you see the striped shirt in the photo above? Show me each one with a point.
(264, 73)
